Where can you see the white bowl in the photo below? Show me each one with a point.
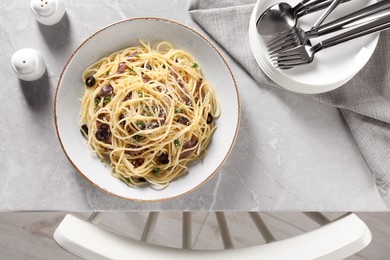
(331, 68)
(121, 35)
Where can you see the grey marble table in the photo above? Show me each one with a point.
(291, 152)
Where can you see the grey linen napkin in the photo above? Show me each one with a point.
(364, 101)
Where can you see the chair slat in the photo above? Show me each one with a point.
(262, 227)
(187, 230)
(149, 226)
(224, 230)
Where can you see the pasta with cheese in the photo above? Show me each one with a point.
(149, 112)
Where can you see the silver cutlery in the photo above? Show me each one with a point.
(304, 54)
(330, 9)
(297, 36)
(282, 17)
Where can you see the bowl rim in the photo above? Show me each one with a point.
(166, 21)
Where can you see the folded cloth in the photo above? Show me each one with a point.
(364, 101)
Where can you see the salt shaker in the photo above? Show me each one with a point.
(28, 64)
(48, 12)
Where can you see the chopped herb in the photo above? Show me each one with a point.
(131, 70)
(140, 124)
(137, 138)
(176, 142)
(178, 110)
(106, 100)
(107, 72)
(97, 101)
(149, 112)
(202, 129)
(137, 55)
(163, 66)
(195, 65)
(140, 94)
(156, 170)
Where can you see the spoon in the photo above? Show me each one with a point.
(278, 18)
(282, 17)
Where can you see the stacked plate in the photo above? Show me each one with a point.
(330, 69)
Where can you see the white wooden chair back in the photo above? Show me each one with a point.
(336, 239)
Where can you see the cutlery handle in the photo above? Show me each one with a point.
(314, 6)
(302, 5)
(359, 17)
(330, 9)
(377, 25)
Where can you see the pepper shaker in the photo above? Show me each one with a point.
(48, 12)
(28, 64)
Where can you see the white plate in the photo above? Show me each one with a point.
(331, 68)
(124, 34)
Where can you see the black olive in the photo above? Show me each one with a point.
(183, 120)
(121, 116)
(163, 158)
(142, 179)
(90, 81)
(103, 133)
(84, 130)
(209, 119)
(147, 66)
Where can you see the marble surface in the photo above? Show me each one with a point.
(291, 152)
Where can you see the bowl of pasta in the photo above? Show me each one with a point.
(147, 109)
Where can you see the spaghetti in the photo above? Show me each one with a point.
(149, 111)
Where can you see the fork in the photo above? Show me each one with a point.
(296, 32)
(304, 54)
(297, 36)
